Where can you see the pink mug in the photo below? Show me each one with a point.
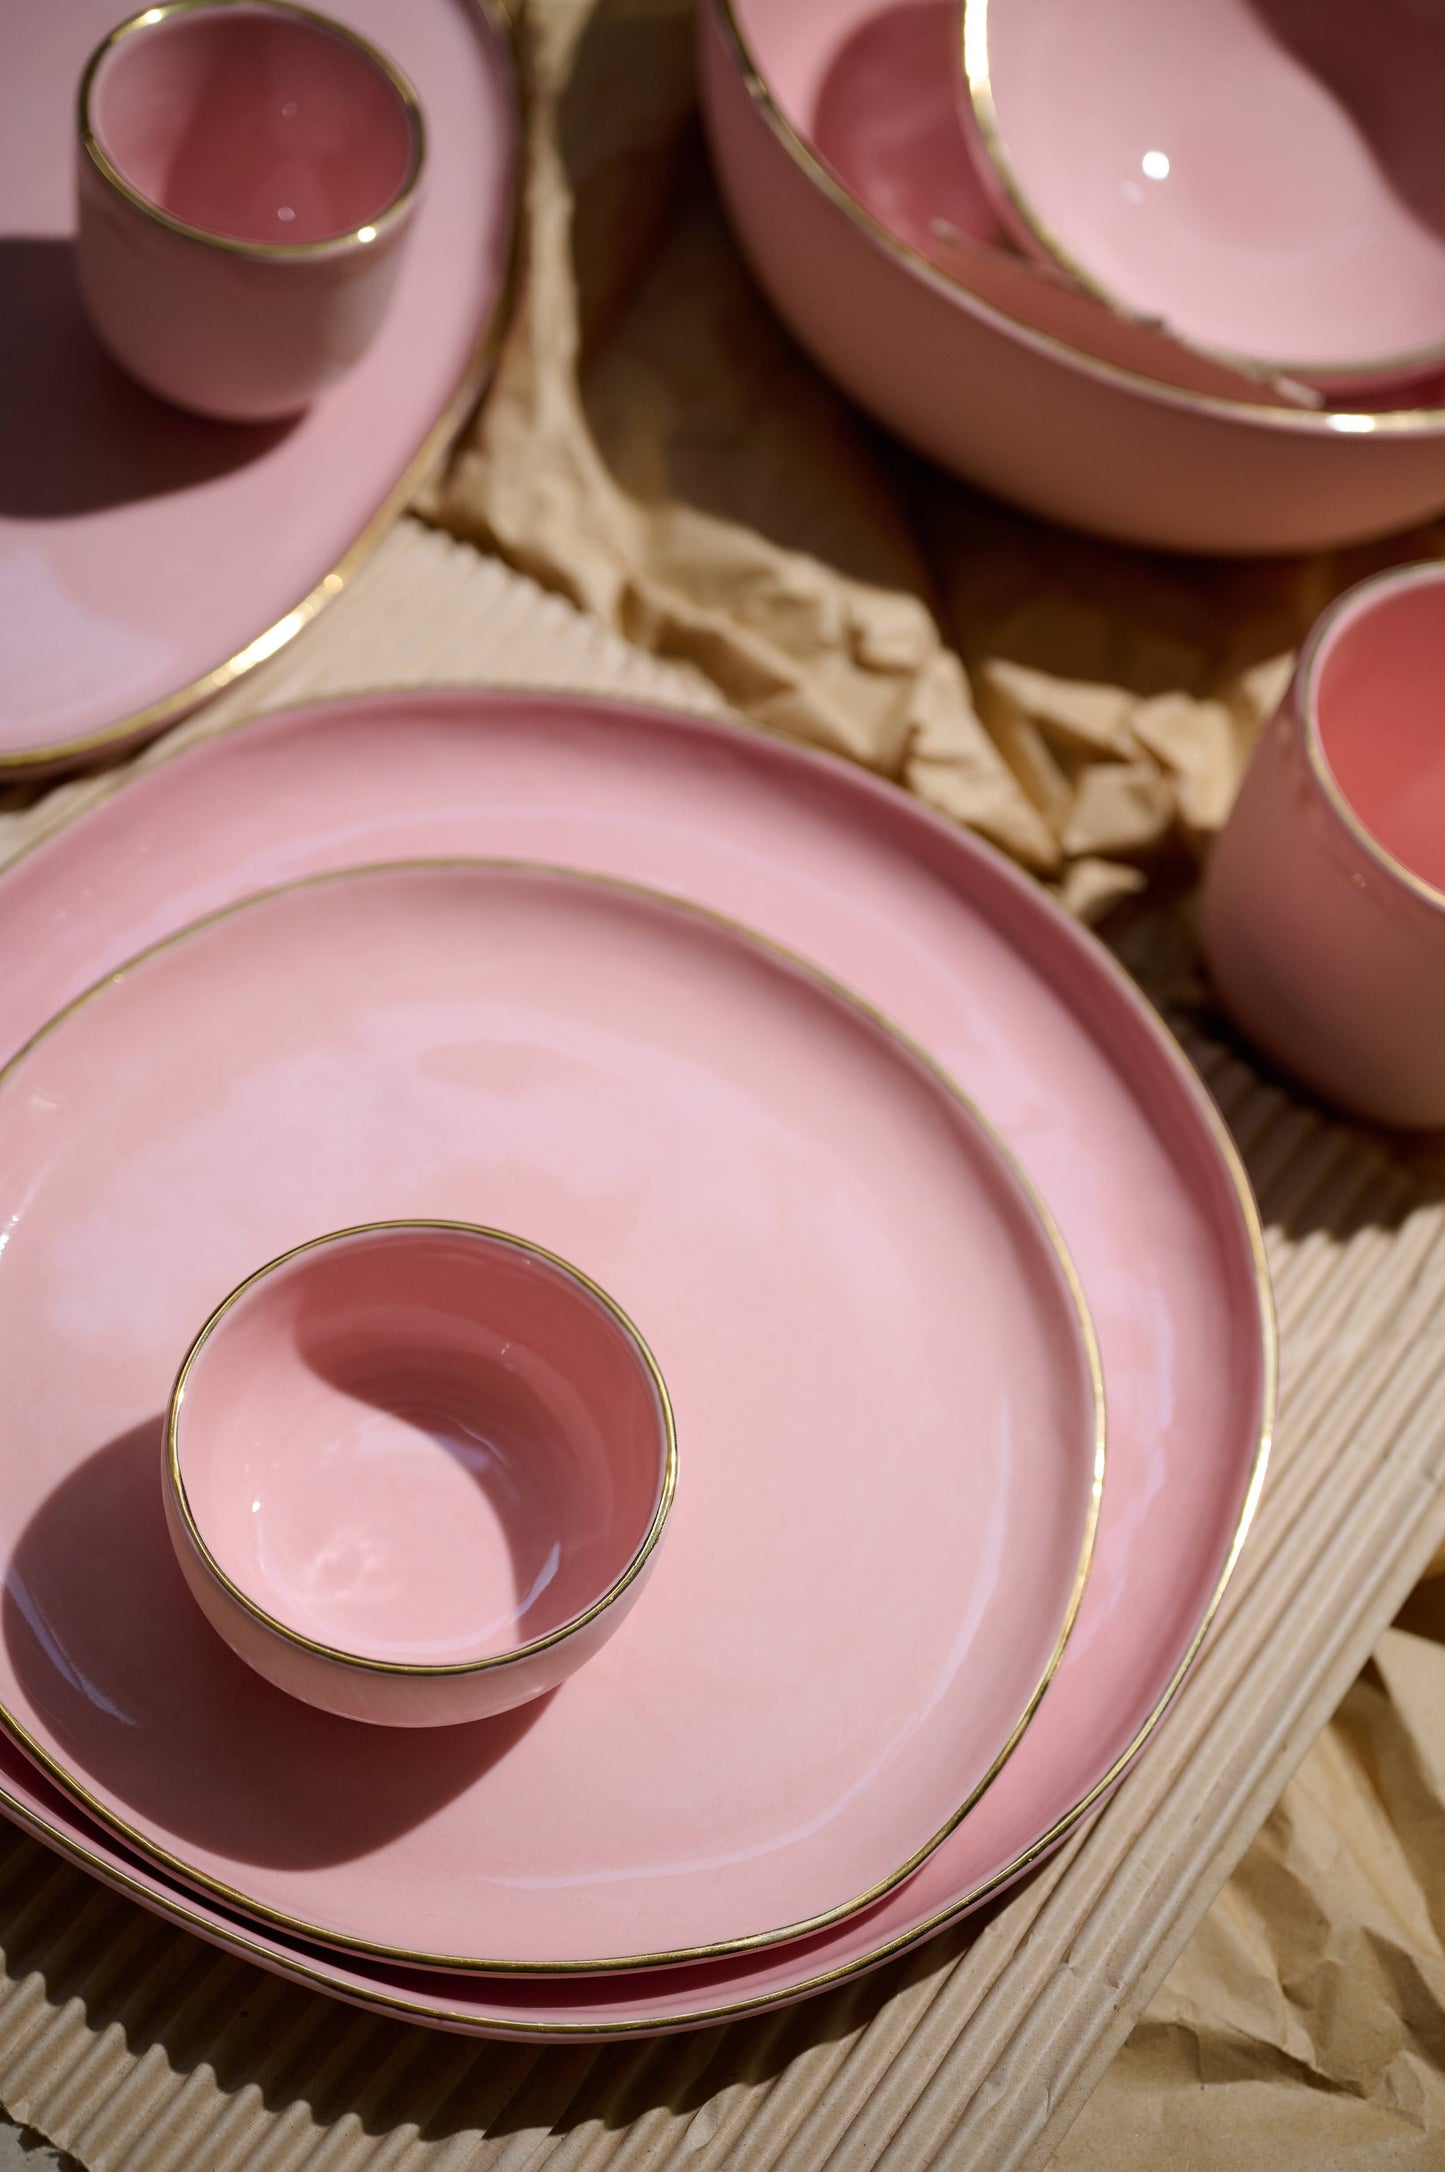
(248, 178)
(1324, 901)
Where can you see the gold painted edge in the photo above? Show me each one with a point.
(1320, 421)
(130, 731)
(1333, 621)
(359, 236)
(748, 736)
(1005, 1160)
(451, 1669)
(977, 75)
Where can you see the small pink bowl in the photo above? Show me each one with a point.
(1262, 177)
(416, 1472)
(1324, 901)
(248, 175)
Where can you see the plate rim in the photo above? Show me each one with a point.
(997, 1152)
(138, 725)
(747, 741)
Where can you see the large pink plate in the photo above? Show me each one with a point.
(890, 1435)
(148, 557)
(1023, 1006)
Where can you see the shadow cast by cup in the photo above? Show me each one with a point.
(146, 1701)
(76, 434)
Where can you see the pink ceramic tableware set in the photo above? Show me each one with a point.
(642, 1369)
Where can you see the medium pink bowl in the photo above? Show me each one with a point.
(247, 177)
(416, 1472)
(1324, 902)
(1263, 176)
(1025, 414)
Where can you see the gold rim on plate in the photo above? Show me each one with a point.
(359, 236)
(141, 724)
(1025, 1191)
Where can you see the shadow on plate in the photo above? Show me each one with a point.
(76, 435)
(148, 1702)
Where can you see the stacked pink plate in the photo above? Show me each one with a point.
(899, 1176)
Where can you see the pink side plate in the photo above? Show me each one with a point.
(884, 1387)
(978, 964)
(1263, 176)
(148, 557)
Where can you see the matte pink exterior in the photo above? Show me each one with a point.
(244, 338)
(143, 549)
(1025, 416)
(875, 1356)
(977, 962)
(1331, 959)
(424, 1446)
(1262, 175)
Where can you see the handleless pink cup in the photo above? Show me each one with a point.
(1324, 901)
(248, 177)
(417, 1472)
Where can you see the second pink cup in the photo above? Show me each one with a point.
(1324, 903)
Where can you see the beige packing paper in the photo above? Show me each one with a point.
(657, 449)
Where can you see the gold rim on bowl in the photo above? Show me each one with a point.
(359, 236)
(1315, 421)
(429, 1670)
(977, 75)
(1313, 656)
(134, 729)
(1033, 1204)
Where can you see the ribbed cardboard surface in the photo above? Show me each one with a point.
(136, 2047)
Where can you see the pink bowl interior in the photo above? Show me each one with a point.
(1262, 174)
(421, 1445)
(253, 124)
(1378, 710)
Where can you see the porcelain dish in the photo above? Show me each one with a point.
(1019, 410)
(983, 970)
(416, 1473)
(149, 557)
(1323, 912)
(868, 1577)
(247, 182)
(1261, 176)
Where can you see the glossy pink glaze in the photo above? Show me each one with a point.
(1040, 422)
(886, 120)
(248, 122)
(277, 135)
(1263, 175)
(975, 960)
(867, 1571)
(140, 547)
(423, 1446)
(1327, 953)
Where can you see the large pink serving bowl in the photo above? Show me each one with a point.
(1060, 432)
(1263, 176)
(416, 1472)
(1324, 903)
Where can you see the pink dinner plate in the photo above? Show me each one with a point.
(983, 969)
(890, 1428)
(148, 557)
